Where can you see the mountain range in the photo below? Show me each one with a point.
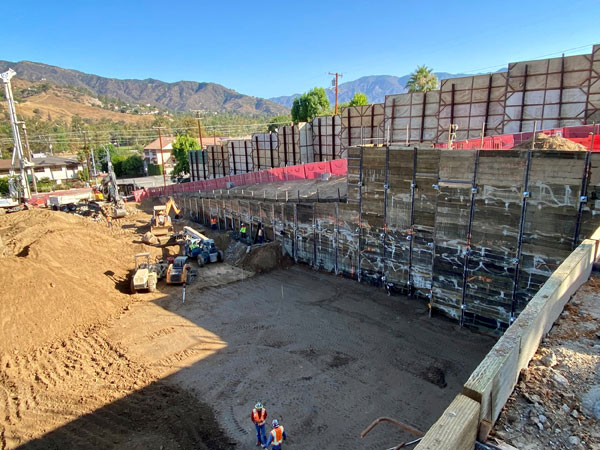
(376, 87)
(179, 96)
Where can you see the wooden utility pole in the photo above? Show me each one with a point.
(162, 158)
(336, 82)
(28, 156)
(87, 154)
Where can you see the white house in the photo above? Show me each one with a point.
(55, 168)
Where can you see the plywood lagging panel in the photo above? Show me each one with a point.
(414, 115)
(425, 200)
(305, 236)
(288, 214)
(551, 212)
(552, 92)
(452, 221)
(240, 156)
(198, 160)
(494, 240)
(265, 152)
(218, 161)
(306, 143)
(399, 217)
(354, 173)
(289, 145)
(372, 213)
(362, 125)
(326, 132)
(348, 218)
(470, 102)
(590, 208)
(326, 236)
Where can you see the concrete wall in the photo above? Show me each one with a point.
(474, 233)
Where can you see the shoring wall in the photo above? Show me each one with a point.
(289, 145)
(362, 125)
(240, 156)
(326, 140)
(265, 150)
(218, 161)
(475, 232)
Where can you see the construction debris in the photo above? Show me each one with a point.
(549, 142)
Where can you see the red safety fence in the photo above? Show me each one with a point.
(290, 173)
(586, 135)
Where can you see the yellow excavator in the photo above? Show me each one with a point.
(161, 225)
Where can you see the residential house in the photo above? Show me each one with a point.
(56, 168)
(152, 152)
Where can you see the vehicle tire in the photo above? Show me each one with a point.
(200, 260)
(220, 257)
(132, 286)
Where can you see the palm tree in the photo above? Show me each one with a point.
(422, 80)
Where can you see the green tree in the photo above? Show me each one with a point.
(422, 80)
(4, 186)
(274, 121)
(309, 105)
(359, 99)
(181, 146)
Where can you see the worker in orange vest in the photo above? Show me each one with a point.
(213, 223)
(259, 417)
(109, 221)
(276, 436)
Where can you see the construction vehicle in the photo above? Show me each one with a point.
(179, 271)
(145, 275)
(200, 247)
(111, 190)
(160, 224)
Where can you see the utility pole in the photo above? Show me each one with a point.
(201, 144)
(162, 158)
(17, 157)
(335, 83)
(87, 154)
(28, 153)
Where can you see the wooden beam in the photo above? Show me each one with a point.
(456, 429)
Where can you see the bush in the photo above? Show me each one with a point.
(4, 186)
(154, 169)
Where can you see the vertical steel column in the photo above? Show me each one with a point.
(213, 162)
(295, 244)
(203, 215)
(372, 124)
(392, 118)
(294, 144)
(433, 235)
(385, 207)
(582, 197)
(333, 135)
(257, 152)
(452, 104)
(233, 158)
(349, 127)
(424, 107)
(523, 99)
(360, 183)
(411, 231)
(487, 105)
(197, 214)
(468, 243)
(520, 238)
(314, 228)
(337, 236)
(285, 156)
(271, 149)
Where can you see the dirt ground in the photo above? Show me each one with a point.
(85, 365)
(557, 402)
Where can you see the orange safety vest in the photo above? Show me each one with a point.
(277, 434)
(213, 221)
(259, 416)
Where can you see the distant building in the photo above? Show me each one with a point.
(56, 168)
(152, 152)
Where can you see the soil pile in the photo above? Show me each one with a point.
(61, 271)
(550, 142)
(265, 258)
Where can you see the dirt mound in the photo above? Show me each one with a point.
(550, 142)
(264, 258)
(60, 271)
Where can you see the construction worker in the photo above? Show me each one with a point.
(243, 232)
(109, 221)
(213, 223)
(259, 418)
(276, 436)
(260, 234)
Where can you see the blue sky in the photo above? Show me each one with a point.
(269, 48)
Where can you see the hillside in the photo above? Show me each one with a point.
(50, 102)
(375, 86)
(179, 96)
